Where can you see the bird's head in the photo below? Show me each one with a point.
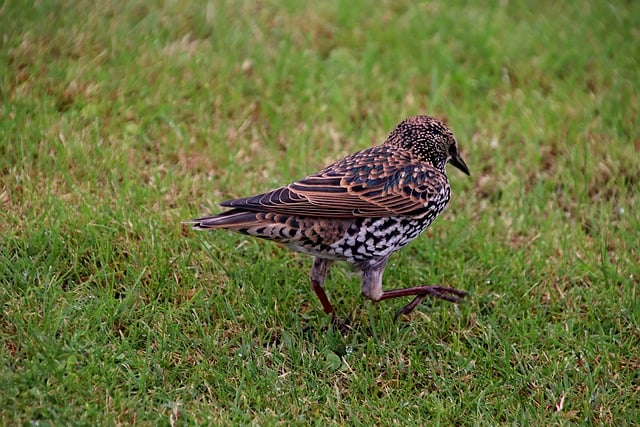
(430, 140)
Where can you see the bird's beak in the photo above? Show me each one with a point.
(459, 163)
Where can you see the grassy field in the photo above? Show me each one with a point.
(120, 119)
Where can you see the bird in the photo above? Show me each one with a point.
(360, 209)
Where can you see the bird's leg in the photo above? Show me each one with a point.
(322, 296)
(317, 275)
(436, 291)
(372, 288)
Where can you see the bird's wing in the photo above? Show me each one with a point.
(359, 188)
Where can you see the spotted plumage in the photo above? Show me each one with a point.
(360, 209)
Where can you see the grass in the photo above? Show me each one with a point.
(120, 119)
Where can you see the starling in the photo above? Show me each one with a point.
(360, 209)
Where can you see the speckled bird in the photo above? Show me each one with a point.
(360, 209)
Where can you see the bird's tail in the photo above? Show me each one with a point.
(280, 228)
(234, 219)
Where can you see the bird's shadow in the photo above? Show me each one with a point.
(356, 327)
(337, 324)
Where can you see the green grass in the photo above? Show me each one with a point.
(120, 119)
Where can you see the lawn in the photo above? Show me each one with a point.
(120, 119)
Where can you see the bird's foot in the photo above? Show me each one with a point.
(342, 325)
(436, 291)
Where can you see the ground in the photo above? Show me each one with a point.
(120, 119)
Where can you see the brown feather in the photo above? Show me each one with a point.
(354, 187)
